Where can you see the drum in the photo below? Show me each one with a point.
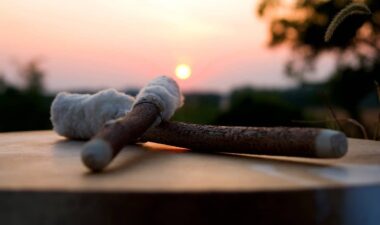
(43, 181)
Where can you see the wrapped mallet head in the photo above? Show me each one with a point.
(81, 116)
(156, 102)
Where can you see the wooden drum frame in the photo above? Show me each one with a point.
(42, 181)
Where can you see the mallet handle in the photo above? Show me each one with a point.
(282, 141)
(100, 151)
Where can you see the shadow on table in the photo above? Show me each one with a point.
(280, 166)
(134, 156)
(129, 157)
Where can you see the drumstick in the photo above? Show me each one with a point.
(155, 102)
(281, 141)
(73, 117)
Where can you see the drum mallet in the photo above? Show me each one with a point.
(156, 102)
(79, 116)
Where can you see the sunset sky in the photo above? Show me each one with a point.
(125, 43)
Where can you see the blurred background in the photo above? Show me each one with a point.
(245, 62)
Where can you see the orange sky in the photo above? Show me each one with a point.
(121, 43)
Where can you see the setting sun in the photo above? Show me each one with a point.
(183, 71)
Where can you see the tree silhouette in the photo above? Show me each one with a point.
(3, 84)
(355, 44)
(33, 77)
(252, 108)
(25, 108)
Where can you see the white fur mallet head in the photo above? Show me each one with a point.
(157, 101)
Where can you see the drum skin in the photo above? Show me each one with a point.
(42, 181)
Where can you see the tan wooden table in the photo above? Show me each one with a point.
(42, 181)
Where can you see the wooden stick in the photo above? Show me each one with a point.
(282, 141)
(100, 151)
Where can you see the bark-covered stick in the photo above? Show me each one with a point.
(100, 151)
(281, 141)
(155, 102)
(77, 116)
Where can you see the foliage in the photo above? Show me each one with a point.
(25, 108)
(302, 26)
(200, 108)
(355, 43)
(349, 86)
(33, 76)
(251, 108)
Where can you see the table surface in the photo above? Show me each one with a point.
(42, 160)
(43, 181)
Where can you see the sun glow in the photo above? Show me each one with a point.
(183, 71)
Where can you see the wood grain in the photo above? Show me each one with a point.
(35, 160)
(42, 181)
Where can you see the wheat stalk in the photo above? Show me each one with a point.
(349, 10)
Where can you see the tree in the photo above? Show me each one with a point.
(25, 108)
(33, 76)
(356, 43)
(249, 107)
(3, 84)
